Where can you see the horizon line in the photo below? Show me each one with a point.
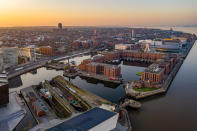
(118, 26)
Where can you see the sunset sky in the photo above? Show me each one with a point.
(97, 12)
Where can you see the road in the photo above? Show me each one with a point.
(37, 64)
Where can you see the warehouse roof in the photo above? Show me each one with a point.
(85, 121)
(103, 64)
(154, 68)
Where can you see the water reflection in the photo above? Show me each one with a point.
(138, 64)
(34, 72)
(95, 81)
(176, 110)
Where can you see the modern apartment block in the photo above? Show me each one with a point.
(10, 56)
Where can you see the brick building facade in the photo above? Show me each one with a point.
(46, 50)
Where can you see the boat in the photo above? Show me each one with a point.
(131, 103)
(75, 103)
(112, 78)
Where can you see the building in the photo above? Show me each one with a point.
(113, 55)
(97, 58)
(133, 54)
(46, 50)
(12, 113)
(10, 57)
(96, 119)
(1, 61)
(103, 69)
(95, 68)
(182, 39)
(39, 108)
(157, 42)
(27, 52)
(165, 65)
(60, 26)
(122, 46)
(37, 105)
(132, 33)
(112, 71)
(4, 90)
(153, 74)
(172, 42)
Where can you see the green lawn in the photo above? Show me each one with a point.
(139, 73)
(144, 89)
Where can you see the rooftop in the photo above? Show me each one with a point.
(11, 114)
(136, 51)
(154, 68)
(85, 121)
(103, 64)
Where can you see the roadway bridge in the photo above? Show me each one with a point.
(22, 69)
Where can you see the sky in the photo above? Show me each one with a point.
(97, 12)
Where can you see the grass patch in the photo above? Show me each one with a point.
(144, 89)
(139, 73)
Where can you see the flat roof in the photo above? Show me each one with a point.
(84, 121)
(154, 68)
(103, 64)
(136, 51)
(11, 114)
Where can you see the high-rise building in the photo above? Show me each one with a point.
(1, 61)
(10, 57)
(60, 26)
(132, 33)
(95, 32)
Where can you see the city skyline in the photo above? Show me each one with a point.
(97, 13)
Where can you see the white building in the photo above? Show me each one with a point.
(10, 56)
(1, 42)
(122, 46)
(151, 42)
(157, 42)
(146, 42)
(28, 52)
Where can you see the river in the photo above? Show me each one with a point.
(174, 111)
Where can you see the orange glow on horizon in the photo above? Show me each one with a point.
(38, 13)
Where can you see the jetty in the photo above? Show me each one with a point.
(131, 103)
